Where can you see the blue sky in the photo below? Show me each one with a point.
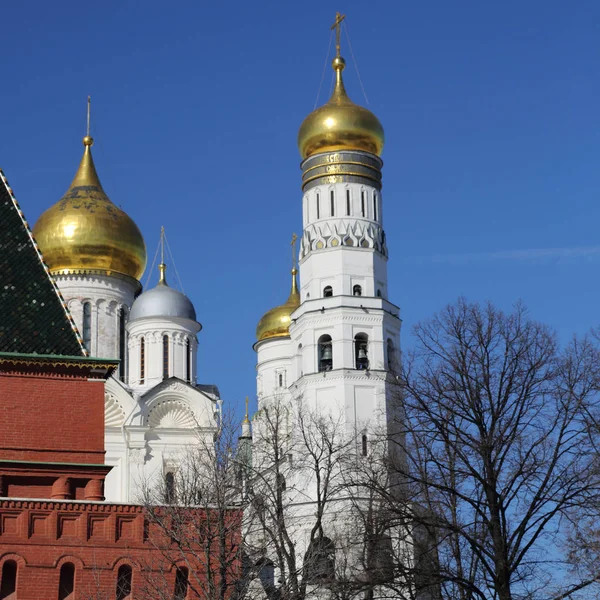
(491, 184)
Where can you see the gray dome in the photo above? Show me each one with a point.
(162, 301)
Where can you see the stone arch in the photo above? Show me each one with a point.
(171, 413)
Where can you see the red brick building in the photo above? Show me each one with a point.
(58, 539)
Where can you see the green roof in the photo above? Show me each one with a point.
(34, 318)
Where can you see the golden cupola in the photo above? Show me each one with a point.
(340, 124)
(276, 322)
(85, 232)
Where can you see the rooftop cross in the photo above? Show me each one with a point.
(338, 30)
(89, 112)
(293, 244)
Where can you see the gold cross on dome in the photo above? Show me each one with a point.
(293, 245)
(338, 30)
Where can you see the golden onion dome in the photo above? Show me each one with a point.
(340, 124)
(276, 322)
(86, 232)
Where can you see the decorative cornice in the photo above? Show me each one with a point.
(57, 366)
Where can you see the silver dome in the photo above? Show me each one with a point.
(162, 301)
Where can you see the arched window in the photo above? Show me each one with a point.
(66, 583)
(181, 583)
(142, 360)
(327, 291)
(347, 202)
(188, 360)
(374, 206)
(165, 356)
(8, 584)
(87, 326)
(364, 444)
(332, 202)
(122, 342)
(325, 353)
(169, 487)
(124, 582)
(320, 561)
(379, 293)
(362, 204)
(357, 290)
(391, 355)
(318, 208)
(361, 347)
(299, 365)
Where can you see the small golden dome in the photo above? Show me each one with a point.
(340, 124)
(85, 231)
(276, 322)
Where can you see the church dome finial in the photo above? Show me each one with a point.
(86, 232)
(340, 124)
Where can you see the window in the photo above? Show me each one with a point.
(169, 487)
(364, 444)
(124, 583)
(281, 483)
(142, 360)
(357, 290)
(362, 203)
(327, 291)
(87, 325)
(325, 353)
(391, 355)
(8, 584)
(379, 293)
(122, 342)
(165, 356)
(320, 561)
(280, 379)
(332, 202)
(188, 360)
(318, 208)
(181, 583)
(361, 342)
(374, 207)
(347, 202)
(66, 584)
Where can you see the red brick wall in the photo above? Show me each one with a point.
(97, 538)
(51, 419)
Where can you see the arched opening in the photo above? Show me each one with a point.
(165, 356)
(379, 293)
(361, 348)
(357, 290)
(66, 583)
(332, 202)
(325, 353)
(348, 202)
(8, 584)
(142, 360)
(320, 561)
(364, 442)
(124, 582)
(362, 204)
(299, 365)
(169, 487)
(391, 355)
(122, 342)
(374, 206)
(86, 330)
(318, 208)
(327, 291)
(181, 583)
(188, 360)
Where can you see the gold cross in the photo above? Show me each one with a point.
(337, 26)
(293, 244)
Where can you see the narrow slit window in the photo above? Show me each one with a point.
(362, 204)
(87, 326)
(8, 583)
(169, 488)
(188, 360)
(181, 584)
(318, 208)
(347, 202)
(122, 343)
(165, 356)
(142, 360)
(280, 379)
(364, 444)
(374, 207)
(66, 582)
(332, 202)
(124, 582)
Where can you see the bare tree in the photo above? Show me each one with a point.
(198, 511)
(496, 452)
